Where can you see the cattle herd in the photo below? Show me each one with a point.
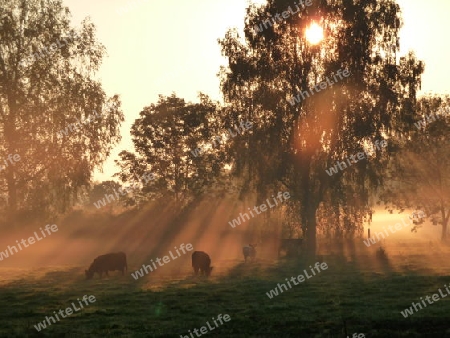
(200, 260)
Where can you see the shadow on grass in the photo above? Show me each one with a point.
(338, 301)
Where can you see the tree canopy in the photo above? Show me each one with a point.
(48, 90)
(169, 137)
(297, 142)
(418, 175)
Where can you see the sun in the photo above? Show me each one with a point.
(314, 34)
(259, 2)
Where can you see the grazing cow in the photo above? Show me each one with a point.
(290, 246)
(108, 262)
(202, 262)
(249, 251)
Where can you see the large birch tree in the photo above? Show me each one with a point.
(295, 141)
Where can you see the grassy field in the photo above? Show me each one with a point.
(361, 293)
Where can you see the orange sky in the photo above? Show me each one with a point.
(162, 46)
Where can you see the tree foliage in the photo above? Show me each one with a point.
(47, 85)
(165, 137)
(295, 143)
(418, 175)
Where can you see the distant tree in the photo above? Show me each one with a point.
(295, 141)
(99, 190)
(419, 175)
(53, 113)
(172, 140)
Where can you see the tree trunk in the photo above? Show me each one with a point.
(444, 229)
(444, 222)
(12, 192)
(309, 205)
(10, 137)
(310, 210)
(311, 231)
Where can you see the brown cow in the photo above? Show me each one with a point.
(249, 251)
(290, 246)
(202, 262)
(108, 262)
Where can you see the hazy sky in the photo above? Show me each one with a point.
(160, 46)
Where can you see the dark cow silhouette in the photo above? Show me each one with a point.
(202, 262)
(292, 246)
(108, 262)
(249, 251)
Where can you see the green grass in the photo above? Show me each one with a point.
(345, 298)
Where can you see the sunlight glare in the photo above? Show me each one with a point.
(259, 2)
(314, 34)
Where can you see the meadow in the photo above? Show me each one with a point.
(362, 291)
(161, 170)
